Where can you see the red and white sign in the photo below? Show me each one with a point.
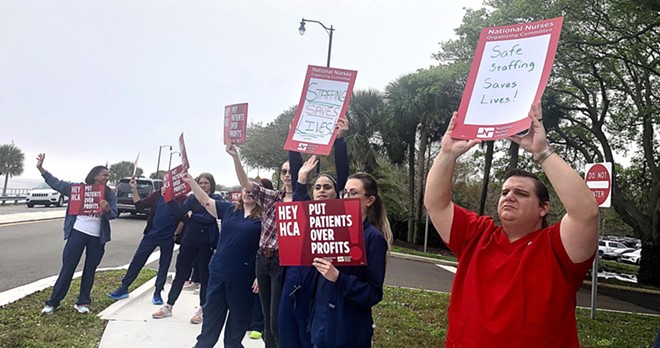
(235, 123)
(329, 229)
(509, 73)
(235, 196)
(184, 154)
(86, 199)
(599, 180)
(324, 100)
(173, 183)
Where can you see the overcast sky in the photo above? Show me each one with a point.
(89, 82)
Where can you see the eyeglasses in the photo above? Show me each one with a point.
(350, 194)
(284, 171)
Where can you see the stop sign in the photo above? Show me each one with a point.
(599, 181)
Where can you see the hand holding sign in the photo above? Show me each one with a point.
(326, 268)
(455, 147)
(535, 140)
(307, 168)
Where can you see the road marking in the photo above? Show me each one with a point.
(451, 269)
(19, 292)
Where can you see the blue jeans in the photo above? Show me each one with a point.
(145, 248)
(73, 249)
(268, 269)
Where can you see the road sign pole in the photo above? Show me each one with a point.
(594, 277)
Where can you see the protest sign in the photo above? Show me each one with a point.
(329, 229)
(325, 97)
(86, 199)
(235, 123)
(173, 183)
(184, 155)
(136, 163)
(509, 73)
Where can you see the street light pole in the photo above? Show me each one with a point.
(169, 167)
(158, 165)
(330, 31)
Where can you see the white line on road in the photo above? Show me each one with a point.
(19, 292)
(451, 269)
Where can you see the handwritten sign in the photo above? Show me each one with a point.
(509, 73)
(173, 184)
(184, 154)
(235, 123)
(325, 97)
(86, 199)
(329, 229)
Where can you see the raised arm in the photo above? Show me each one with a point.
(341, 154)
(240, 172)
(438, 192)
(202, 197)
(579, 227)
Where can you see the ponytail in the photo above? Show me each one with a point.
(376, 213)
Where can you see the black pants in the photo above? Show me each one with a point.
(267, 269)
(184, 264)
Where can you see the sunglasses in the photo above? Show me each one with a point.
(284, 171)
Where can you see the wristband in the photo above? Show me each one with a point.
(543, 155)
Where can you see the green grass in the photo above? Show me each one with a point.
(418, 318)
(22, 325)
(403, 250)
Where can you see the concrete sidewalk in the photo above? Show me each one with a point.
(130, 322)
(31, 216)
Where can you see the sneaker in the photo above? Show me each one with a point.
(191, 286)
(82, 309)
(119, 294)
(157, 300)
(255, 335)
(164, 312)
(48, 309)
(197, 317)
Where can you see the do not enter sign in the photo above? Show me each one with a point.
(599, 180)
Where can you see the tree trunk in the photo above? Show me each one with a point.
(421, 170)
(411, 192)
(490, 145)
(4, 189)
(513, 155)
(649, 272)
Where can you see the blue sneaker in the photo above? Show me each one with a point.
(119, 294)
(157, 300)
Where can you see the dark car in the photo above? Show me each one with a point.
(125, 195)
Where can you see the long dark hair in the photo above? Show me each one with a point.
(376, 213)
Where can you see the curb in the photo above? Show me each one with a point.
(106, 314)
(422, 259)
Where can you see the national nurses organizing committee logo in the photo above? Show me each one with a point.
(302, 147)
(485, 132)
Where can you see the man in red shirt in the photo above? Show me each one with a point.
(516, 283)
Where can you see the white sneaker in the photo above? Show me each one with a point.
(48, 309)
(163, 312)
(82, 309)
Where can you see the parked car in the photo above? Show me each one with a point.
(125, 195)
(632, 257)
(612, 250)
(45, 195)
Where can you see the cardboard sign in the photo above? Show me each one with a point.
(329, 229)
(184, 155)
(325, 98)
(509, 73)
(235, 123)
(598, 177)
(136, 163)
(173, 183)
(235, 196)
(86, 199)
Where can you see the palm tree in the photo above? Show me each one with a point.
(11, 162)
(365, 118)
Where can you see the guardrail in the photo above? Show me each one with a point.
(16, 199)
